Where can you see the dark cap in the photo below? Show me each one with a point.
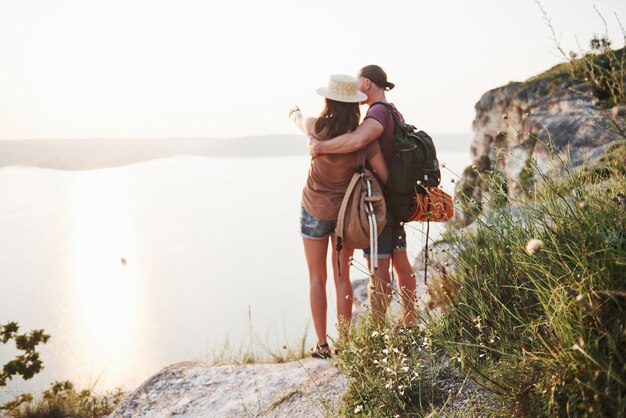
(377, 76)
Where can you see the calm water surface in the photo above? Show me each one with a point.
(134, 268)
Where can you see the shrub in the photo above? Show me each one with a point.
(28, 363)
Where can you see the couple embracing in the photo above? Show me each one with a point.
(335, 138)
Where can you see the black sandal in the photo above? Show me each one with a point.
(321, 351)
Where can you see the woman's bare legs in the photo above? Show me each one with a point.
(343, 287)
(315, 251)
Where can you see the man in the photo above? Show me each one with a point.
(379, 125)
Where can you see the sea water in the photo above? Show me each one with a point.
(133, 268)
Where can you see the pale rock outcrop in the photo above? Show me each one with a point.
(306, 388)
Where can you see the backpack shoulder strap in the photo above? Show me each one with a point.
(342, 209)
(360, 165)
(391, 110)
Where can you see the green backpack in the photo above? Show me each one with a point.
(413, 169)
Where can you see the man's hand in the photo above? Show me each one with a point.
(314, 147)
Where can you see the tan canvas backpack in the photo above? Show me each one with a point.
(363, 214)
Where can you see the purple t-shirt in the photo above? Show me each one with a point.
(382, 114)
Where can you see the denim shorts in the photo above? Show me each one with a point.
(393, 238)
(313, 228)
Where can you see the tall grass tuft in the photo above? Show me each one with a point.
(538, 312)
(63, 400)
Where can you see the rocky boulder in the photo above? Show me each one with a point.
(550, 118)
(306, 388)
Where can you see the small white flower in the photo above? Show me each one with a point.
(375, 334)
(358, 409)
(533, 246)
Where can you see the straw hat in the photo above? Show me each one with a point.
(342, 88)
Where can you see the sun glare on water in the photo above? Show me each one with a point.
(104, 282)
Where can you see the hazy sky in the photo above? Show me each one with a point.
(154, 68)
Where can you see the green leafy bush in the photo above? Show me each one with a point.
(28, 363)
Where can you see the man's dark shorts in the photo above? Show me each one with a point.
(393, 238)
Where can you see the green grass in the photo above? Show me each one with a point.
(64, 400)
(545, 329)
(257, 350)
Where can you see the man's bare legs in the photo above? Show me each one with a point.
(406, 286)
(343, 288)
(380, 288)
(315, 251)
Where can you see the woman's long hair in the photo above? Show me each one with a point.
(338, 118)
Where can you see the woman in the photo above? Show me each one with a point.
(327, 181)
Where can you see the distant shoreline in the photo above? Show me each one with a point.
(91, 154)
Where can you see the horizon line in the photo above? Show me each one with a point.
(126, 138)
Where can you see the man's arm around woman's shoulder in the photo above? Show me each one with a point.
(369, 130)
